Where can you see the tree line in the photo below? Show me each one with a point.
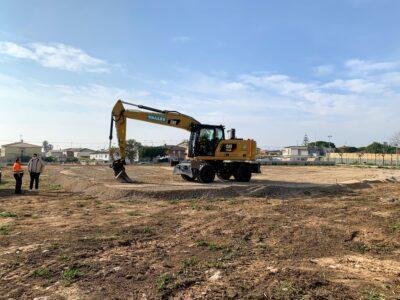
(135, 149)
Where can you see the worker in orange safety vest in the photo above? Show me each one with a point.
(18, 174)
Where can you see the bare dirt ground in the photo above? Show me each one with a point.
(292, 233)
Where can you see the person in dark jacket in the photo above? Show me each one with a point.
(35, 167)
(18, 174)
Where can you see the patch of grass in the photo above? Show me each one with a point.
(55, 246)
(286, 290)
(113, 222)
(80, 204)
(54, 187)
(373, 295)
(7, 215)
(396, 226)
(190, 262)
(215, 264)
(208, 207)
(163, 280)
(97, 202)
(109, 207)
(70, 275)
(64, 257)
(376, 248)
(147, 230)
(5, 230)
(40, 272)
(201, 243)
(133, 213)
(213, 246)
(218, 247)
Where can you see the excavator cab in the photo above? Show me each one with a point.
(204, 139)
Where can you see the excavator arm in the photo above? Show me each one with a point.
(146, 114)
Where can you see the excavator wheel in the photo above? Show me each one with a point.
(206, 174)
(242, 173)
(187, 178)
(224, 175)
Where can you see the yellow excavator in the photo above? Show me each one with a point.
(209, 153)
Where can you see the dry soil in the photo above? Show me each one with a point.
(292, 233)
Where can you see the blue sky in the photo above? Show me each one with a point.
(274, 70)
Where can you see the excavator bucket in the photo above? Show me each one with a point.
(120, 173)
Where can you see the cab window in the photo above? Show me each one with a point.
(219, 134)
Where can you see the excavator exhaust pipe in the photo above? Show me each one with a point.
(119, 171)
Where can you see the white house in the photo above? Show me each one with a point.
(101, 156)
(295, 153)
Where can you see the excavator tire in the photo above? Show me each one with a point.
(206, 174)
(242, 173)
(187, 178)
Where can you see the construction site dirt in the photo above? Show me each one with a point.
(291, 233)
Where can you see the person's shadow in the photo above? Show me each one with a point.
(7, 190)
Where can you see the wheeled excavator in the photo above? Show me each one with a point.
(209, 154)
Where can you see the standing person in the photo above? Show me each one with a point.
(35, 167)
(18, 174)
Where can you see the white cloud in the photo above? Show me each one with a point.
(282, 84)
(324, 70)
(58, 56)
(356, 86)
(357, 65)
(181, 39)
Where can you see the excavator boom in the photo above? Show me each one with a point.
(147, 114)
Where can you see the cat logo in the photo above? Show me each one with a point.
(174, 121)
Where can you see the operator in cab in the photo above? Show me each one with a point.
(18, 174)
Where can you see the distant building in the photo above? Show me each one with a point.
(184, 144)
(175, 153)
(10, 152)
(295, 153)
(262, 153)
(101, 156)
(78, 152)
(58, 155)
